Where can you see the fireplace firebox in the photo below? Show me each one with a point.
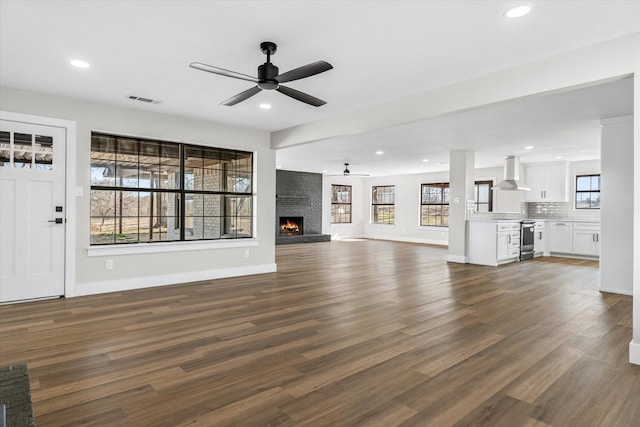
(291, 225)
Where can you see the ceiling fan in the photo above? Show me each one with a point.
(269, 79)
(347, 172)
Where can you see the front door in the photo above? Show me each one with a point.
(32, 211)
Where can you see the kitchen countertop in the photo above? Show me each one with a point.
(534, 219)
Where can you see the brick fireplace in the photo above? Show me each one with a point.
(299, 208)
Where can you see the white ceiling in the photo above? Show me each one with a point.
(380, 50)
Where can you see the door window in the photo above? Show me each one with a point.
(26, 151)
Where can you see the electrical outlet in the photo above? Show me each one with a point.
(246, 253)
(109, 264)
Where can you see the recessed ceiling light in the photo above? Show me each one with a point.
(324, 171)
(425, 160)
(529, 147)
(558, 157)
(265, 106)
(278, 166)
(517, 12)
(379, 152)
(79, 63)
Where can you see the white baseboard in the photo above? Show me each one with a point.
(634, 353)
(93, 288)
(616, 291)
(457, 259)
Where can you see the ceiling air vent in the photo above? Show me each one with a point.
(142, 99)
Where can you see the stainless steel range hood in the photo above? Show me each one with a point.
(511, 176)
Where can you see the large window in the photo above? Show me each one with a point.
(483, 196)
(434, 209)
(383, 204)
(588, 192)
(340, 204)
(153, 191)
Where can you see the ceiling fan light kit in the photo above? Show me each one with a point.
(269, 78)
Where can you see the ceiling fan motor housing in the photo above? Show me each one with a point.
(267, 74)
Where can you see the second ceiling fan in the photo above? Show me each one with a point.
(347, 172)
(269, 78)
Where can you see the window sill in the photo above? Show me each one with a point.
(149, 248)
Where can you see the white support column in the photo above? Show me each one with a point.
(634, 345)
(461, 181)
(616, 250)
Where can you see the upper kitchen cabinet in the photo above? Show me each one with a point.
(548, 182)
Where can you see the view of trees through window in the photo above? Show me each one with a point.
(151, 191)
(383, 204)
(340, 204)
(434, 209)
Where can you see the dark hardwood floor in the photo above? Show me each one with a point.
(368, 333)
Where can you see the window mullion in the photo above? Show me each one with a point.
(181, 193)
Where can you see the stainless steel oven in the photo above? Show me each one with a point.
(527, 237)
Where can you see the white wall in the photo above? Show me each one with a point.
(358, 209)
(213, 260)
(407, 210)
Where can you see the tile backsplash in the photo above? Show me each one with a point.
(561, 210)
(546, 210)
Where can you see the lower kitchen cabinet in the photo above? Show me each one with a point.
(493, 243)
(540, 239)
(586, 239)
(574, 238)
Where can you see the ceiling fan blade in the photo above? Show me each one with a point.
(301, 96)
(304, 71)
(241, 96)
(222, 71)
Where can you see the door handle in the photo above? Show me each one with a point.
(57, 220)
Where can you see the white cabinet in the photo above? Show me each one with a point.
(586, 239)
(548, 182)
(508, 241)
(493, 243)
(577, 238)
(561, 237)
(540, 239)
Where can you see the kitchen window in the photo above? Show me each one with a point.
(434, 205)
(588, 191)
(383, 204)
(145, 191)
(340, 204)
(483, 196)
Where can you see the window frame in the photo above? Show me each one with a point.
(389, 217)
(590, 191)
(442, 186)
(476, 190)
(176, 189)
(340, 205)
